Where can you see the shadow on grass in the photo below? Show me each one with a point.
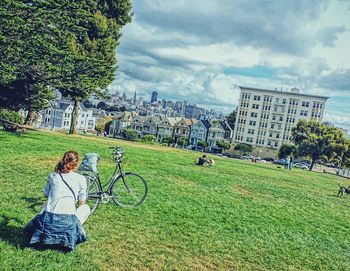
(34, 203)
(10, 233)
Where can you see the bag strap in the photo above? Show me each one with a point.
(75, 198)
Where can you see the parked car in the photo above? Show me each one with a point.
(247, 157)
(282, 161)
(302, 166)
(268, 159)
(236, 156)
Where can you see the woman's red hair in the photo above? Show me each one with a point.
(69, 162)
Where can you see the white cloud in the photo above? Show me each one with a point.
(181, 48)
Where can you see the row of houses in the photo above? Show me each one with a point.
(177, 128)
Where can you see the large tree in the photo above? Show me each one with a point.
(27, 47)
(315, 140)
(94, 47)
(68, 45)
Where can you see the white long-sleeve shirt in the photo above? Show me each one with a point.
(60, 197)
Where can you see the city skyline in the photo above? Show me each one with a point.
(203, 50)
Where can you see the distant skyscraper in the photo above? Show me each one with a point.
(134, 100)
(124, 97)
(154, 96)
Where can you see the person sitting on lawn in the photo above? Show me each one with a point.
(59, 224)
(202, 160)
(211, 162)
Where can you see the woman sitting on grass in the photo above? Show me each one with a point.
(59, 224)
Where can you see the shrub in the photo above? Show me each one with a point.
(183, 142)
(149, 139)
(202, 144)
(224, 145)
(130, 134)
(103, 123)
(166, 140)
(245, 148)
(9, 115)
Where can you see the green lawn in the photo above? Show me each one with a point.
(234, 216)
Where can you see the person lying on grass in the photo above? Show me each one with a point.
(59, 224)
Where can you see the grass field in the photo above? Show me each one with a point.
(234, 216)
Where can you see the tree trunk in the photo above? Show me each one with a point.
(313, 161)
(75, 114)
(29, 118)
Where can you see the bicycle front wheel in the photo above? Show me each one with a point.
(94, 193)
(129, 190)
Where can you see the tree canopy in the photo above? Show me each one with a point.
(244, 148)
(287, 150)
(58, 44)
(231, 118)
(315, 140)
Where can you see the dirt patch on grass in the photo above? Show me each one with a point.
(244, 191)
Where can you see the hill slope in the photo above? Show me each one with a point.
(234, 216)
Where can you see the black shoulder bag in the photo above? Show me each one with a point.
(75, 198)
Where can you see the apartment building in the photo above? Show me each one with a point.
(266, 117)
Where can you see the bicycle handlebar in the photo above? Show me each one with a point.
(117, 153)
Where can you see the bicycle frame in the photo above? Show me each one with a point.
(118, 171)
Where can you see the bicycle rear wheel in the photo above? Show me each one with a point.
(94, 193)
(129, 191)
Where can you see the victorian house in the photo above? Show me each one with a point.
(137, 124)
(182, 129)
(216, 133)
(59, 116)
(121, 122)
(199, 132)
(150, 125)
(166, 128)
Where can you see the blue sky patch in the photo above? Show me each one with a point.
(256, 71)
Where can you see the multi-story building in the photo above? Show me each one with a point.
(150, 126)
(60, 114)
(121, 122)
(137, 124)
(266, 117)
(154, 96)
(199, 132)
(216, 133)
(166, 128)
(193, 111)
(182, 129)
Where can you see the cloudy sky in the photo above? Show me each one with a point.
(202, 50)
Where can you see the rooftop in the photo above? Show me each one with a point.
(284, 92)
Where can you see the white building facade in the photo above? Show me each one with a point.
(265, 117)
(58, 117)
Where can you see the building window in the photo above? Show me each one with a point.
(252, 123)
(256, 98)
(249, 139)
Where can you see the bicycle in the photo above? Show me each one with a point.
(126, 189)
